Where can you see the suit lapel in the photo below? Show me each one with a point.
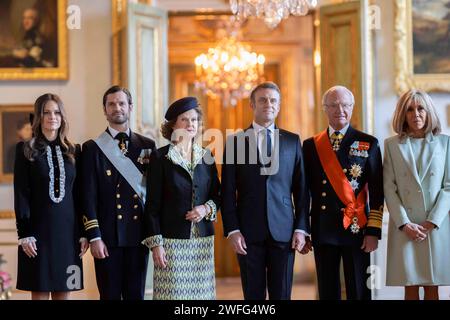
(251, 147)
(134, 149)
(427, 155)
(406, 152)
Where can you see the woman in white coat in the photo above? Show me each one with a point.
(417, 191)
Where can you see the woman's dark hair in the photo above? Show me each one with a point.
(38, 144)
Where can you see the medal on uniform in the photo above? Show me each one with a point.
(354, 228)
(359, 149)
(355, 172)
(123, 148)
(354, 183)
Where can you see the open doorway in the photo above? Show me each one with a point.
(289, 62)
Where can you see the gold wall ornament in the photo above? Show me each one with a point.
(55, 66)
(7, 215)
(229, 70)
(271, 11)
(405, 77)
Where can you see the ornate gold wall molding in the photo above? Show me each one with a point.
(61, 71)
(7, 215)
(405, 78)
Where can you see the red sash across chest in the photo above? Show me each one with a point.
(354, 206)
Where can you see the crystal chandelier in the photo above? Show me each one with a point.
(272, 11)
(229, 70)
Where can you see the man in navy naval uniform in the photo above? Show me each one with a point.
(264, 199)
(114, 193)
(345, 177)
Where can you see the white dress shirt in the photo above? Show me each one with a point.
(343, 131)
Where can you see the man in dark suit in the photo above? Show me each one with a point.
(345, 177)
(114, 196)
(264, 199)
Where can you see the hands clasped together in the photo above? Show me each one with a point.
(418, 232)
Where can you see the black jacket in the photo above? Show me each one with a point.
(256, 204)
(109, 200)
(326, 215)
(171, 193)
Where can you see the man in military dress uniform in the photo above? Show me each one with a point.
(114, 195)
(344, 172)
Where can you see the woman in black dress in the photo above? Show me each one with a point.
(45, 202)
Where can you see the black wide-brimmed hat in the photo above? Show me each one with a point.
(180, 106)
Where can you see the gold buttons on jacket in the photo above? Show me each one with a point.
(323, 207)
(324, 194)
(135, 206)
(324, 182)
(118, 196)
(135, 196)
(119, 206)
(345, 170)
(108, 172)
(119, 217)
(135, 217)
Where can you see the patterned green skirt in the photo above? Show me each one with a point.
(189, 274)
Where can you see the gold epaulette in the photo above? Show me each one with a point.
(89, 224)
(375, 218)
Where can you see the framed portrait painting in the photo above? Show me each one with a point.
(422, 41)
(33, 42)
(14, 127)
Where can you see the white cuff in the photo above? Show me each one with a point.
(83, 239)
(212, 214)
(95, 239)
(27, 240)
(231, 232)
(302, 231)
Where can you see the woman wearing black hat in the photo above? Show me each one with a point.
(182, 201)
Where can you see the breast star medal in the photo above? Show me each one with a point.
(355, 173)
(354, 184)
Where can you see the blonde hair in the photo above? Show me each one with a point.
(417, 97)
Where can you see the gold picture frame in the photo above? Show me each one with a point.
(51, 60)
(406, 61)
(14, 127)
